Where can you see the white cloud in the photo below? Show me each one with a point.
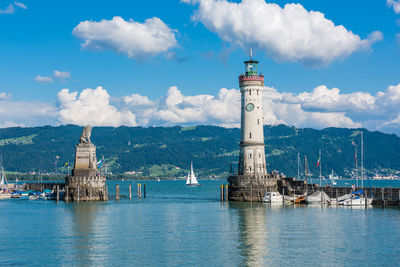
(8, 10)
(20, 5)
(318, 108)
(286, 34)
(25, 113)
(62, 74)
(43, 79)
(136, 40)
(395, 4)
(203, 109)
(91, 106)
(8, 124)
(4, 96)
(138, 100)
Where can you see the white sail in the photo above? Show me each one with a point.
(188, 178)
(2, 182)
(191, 179)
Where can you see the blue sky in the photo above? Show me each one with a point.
(175, 74)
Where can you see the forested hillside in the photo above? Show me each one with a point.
(168, 151)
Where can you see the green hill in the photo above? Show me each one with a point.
(168, 151)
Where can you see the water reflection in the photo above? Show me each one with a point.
(85, 232)
(252, 232)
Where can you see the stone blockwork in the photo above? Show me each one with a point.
(85, 182)
(250, 188)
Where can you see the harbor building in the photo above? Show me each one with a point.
(252, 178)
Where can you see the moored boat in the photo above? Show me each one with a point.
(273, 197)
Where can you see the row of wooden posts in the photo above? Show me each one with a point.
(224, 193)
(141, 192)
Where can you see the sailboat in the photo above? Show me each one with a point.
(5, 193)
(191, 178)
(358, 198)
(319, 196)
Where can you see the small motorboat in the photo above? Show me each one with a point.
(273, 197)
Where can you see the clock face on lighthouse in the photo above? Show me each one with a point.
(250, 107)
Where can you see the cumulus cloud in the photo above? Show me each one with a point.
(395, 4)
(91, 106)
(138, 100)
(318, 108)
(43, 79)
(290, 33)
(204, 109)
(25, 113)
(136, 40)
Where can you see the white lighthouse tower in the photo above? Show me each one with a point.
(252, 179)
(252, 153)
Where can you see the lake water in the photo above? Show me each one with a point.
(183, 226)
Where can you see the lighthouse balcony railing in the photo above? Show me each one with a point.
(257, 77)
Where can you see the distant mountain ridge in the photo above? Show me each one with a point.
(167, 151)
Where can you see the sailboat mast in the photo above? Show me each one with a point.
(355, 153)
(298, 166)
(320, 168)
(362, 160)
(305, 163)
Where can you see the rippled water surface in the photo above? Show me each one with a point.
(180, 226)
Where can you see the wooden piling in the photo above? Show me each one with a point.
(283, 196)
(144, 190)
(77, 194)
(117, 192)
(130, 191)
(66, 193)
(106, 193)
(383, 196)
(58, 193)
(351, 200)
(337, 197)
(221, 192)
(226, 193)
(365, 199)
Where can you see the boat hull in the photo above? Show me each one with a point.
(356, 202)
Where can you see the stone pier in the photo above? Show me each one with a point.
(250, 188)
(85, 182)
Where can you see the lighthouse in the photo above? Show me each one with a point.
(252, 152)
(252, 180)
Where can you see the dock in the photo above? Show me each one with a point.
(381, 196)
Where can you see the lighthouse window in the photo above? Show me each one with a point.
(258, 121)
(257, 92)
(249, 92)
(250, 135)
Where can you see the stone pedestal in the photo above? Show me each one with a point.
(250, 188)
(85, 182)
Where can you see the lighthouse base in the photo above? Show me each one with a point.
(251, 188)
